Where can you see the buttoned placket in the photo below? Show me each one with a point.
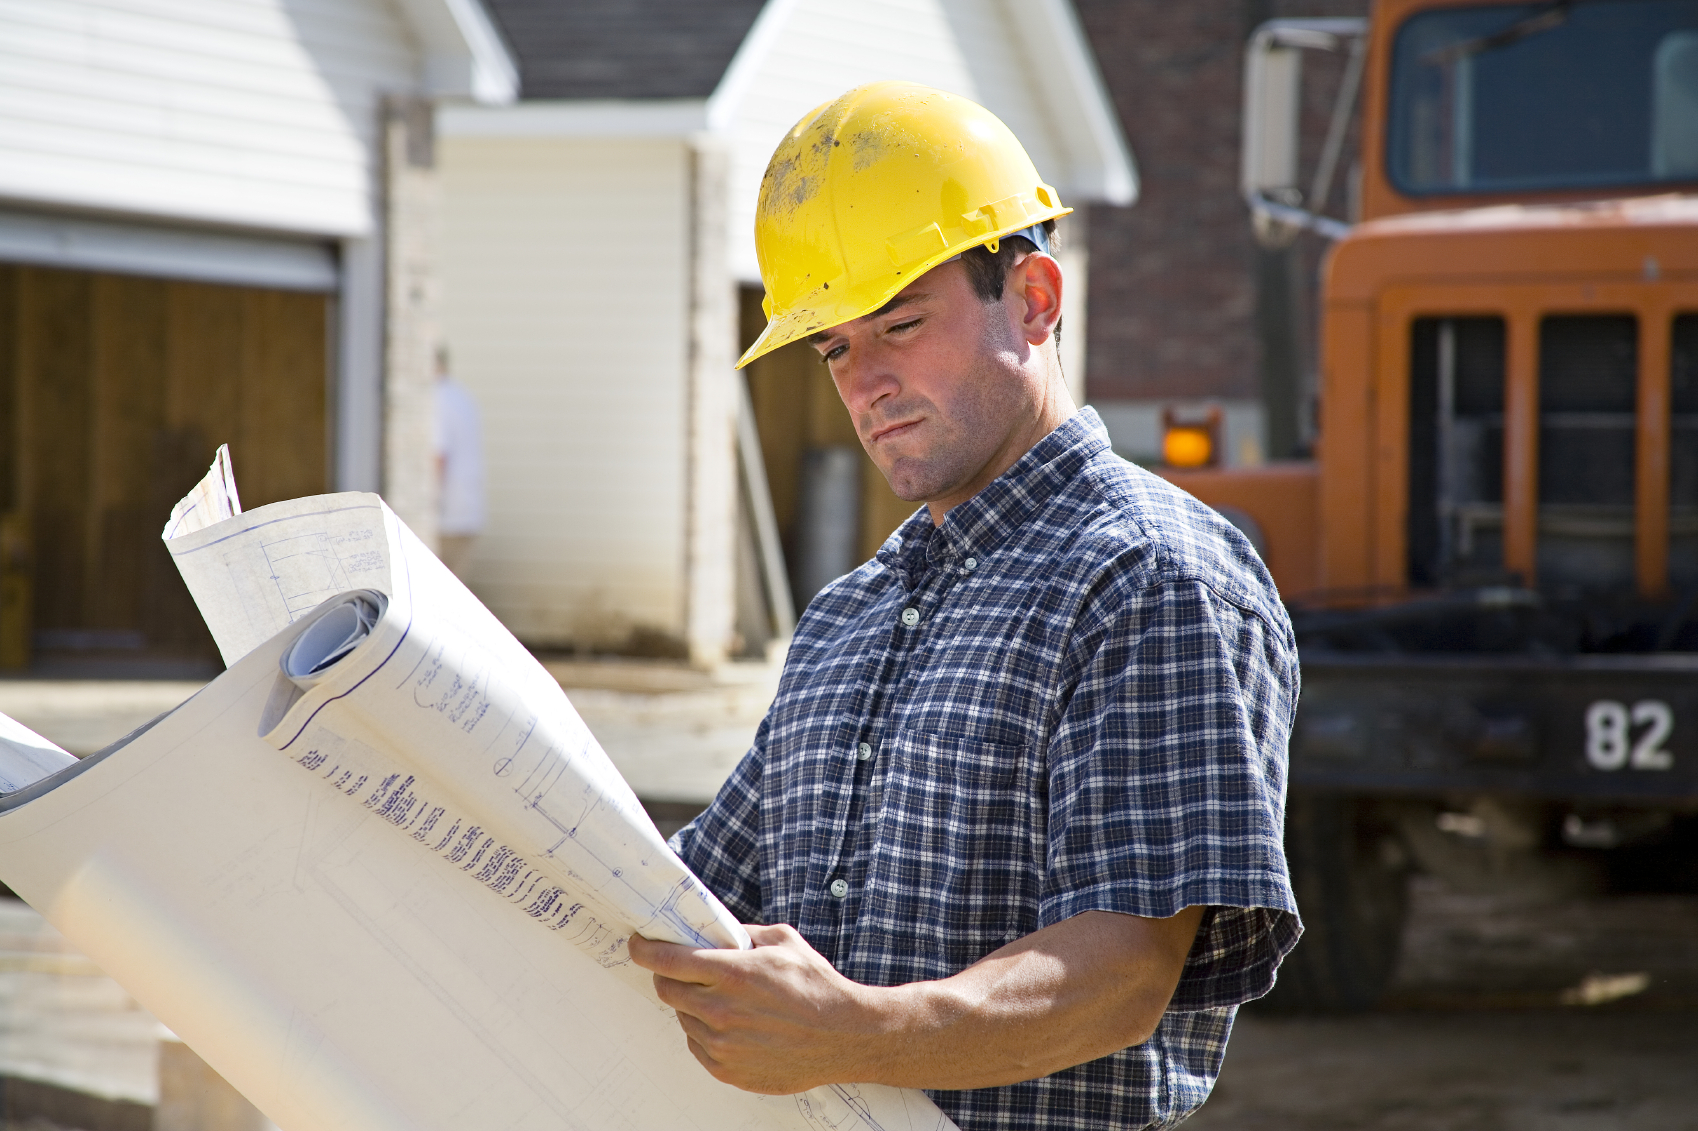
(842, 874)
(845, 873)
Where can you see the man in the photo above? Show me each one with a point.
(1014, 818)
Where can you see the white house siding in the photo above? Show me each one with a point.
(566, 291)
(824, 47)
(249, 112)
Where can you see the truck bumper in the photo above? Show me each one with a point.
(1606, 728)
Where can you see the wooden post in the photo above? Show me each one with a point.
(711, 514)
(411, 334)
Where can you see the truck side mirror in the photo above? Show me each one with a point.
(1273, 90)
(1273, 79)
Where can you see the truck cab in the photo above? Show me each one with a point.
(1492, 559)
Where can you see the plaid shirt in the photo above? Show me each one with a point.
(1073, 695)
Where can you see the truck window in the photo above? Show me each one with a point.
(1563, 96)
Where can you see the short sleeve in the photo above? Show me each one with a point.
(721, 846)
(1167, 784)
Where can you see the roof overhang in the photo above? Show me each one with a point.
(1065, 71)
(464, 55)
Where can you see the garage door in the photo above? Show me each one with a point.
(114, 392)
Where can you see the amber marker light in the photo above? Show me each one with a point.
(1187, 446)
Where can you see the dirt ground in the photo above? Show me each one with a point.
(1477, 1036)
(1513, 1070)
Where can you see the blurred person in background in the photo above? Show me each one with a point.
(459, 468)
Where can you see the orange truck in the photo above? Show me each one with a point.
(1491, 560)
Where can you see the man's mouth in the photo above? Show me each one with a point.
(892, 431)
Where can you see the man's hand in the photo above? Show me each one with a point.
(776, 1019)
(779, 1019)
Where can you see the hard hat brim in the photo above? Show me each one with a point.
(819, 312)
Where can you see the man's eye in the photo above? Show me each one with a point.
(903, 327)
(833, 354)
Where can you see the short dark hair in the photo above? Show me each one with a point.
(988, 271)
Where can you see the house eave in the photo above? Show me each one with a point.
(463, 53)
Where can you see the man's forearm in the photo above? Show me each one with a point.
(1073, 992)
(780, 1019)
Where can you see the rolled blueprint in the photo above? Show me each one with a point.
(508, 784)
(343, 871)
(331, 635)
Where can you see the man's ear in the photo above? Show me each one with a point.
(1035, 286)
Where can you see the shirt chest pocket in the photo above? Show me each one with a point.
(957, 829)
(923, 764)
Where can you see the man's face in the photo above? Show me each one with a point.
(937, 384)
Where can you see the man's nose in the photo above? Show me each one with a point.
(863, 379)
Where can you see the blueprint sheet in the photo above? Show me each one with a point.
(378, 873)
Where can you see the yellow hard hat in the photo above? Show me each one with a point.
(869, 192)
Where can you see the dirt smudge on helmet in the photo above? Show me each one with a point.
(786, 184)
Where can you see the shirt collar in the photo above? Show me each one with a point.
(976, 527)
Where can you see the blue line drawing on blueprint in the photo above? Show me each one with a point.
(854, 1114)
(568, 811)
(551, 771)
(307, 570)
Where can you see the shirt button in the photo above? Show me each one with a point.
(971, 563)
(864, 751)
(910, 617)
(839, 888)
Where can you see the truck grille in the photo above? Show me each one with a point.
(1588, 392)
(1456, 451)
(1683, 454)
(1588, 380)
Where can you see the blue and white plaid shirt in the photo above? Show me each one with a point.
(1073, 695)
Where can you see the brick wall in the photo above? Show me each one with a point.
(1173, 287)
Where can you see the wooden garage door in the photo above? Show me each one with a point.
(116, 392)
